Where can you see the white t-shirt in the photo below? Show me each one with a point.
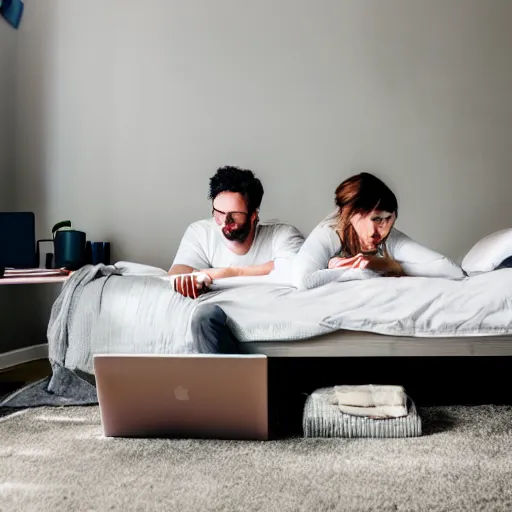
(203, 246)
(310, 268)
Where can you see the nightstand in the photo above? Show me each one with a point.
(25, 307)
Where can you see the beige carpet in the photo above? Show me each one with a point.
(57, 460)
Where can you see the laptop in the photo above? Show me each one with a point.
(183, 396)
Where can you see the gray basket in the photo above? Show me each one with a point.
(323, 418)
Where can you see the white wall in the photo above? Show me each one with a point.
(127, 108)
(7, 114)
(14, 299)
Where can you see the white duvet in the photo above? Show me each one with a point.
(406, 306)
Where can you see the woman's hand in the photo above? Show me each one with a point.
(358, 261)
(386, 266)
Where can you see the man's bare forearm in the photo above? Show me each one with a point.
(257, 270)
(180, 269)
(251, 270)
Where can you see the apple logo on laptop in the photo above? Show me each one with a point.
(181, 393)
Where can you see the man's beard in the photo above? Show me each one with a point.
(238, 235)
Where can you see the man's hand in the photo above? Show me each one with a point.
(221, 273)
(191, 285)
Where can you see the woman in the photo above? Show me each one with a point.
(359, 240)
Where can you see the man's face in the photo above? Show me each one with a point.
(372, 228)
(231, 214)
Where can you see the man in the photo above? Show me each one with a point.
(232, 243)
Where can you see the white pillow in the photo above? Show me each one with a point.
(488, 252)
(139, 269)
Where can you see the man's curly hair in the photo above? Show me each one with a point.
(234, 179)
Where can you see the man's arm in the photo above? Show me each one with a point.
(257, 270)
(250, 270)
(286, 242)
(190, 257)
(180, 269)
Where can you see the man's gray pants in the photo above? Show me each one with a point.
(210, 331)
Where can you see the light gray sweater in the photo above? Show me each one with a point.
(311, 263)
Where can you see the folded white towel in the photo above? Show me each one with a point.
(378, 411)
(370, 395)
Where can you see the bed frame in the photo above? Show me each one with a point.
(363, 344)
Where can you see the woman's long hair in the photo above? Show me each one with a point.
(362, 194)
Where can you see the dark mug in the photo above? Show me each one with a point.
(100, 253)
(69, 249)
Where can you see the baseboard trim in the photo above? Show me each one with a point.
(23, 355)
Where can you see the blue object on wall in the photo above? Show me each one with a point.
(12, 11)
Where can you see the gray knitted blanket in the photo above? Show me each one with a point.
(111, 309)
(126, 308)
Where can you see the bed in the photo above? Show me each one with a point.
(133, 309)
(128, 308)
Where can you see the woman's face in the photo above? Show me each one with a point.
(372, 228)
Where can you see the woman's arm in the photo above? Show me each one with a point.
(420, 261)
(310, 267)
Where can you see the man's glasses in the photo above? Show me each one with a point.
(229, 217)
